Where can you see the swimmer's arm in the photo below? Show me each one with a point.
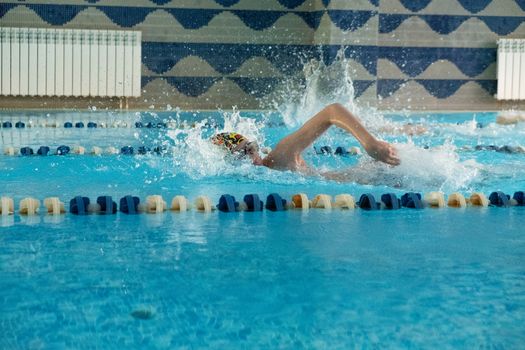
(294, 144)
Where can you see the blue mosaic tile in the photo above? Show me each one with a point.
(291, 3)
(439, 88)
(227, 58)
(521, 3)
(259, 20)
(386, 87)
(5, 8)
(446, 24)
(193, 18)
(125, 16)
(442, 88)
(257, 87)
(490, 85)
(415, 60)
(312, 19)
(163, 2)
(415, 5)
(390, 22)
(350, 20)
(474, 6)
(192, 86)
(56, 14)
(502, 25)
(360, 86)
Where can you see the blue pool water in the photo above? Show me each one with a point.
(443, 278)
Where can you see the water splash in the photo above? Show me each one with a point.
(197, 157)
(438, 168)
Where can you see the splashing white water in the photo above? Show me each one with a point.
(198, 157)
(438, 168)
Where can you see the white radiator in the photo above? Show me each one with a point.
(69, 62)
(511, 69)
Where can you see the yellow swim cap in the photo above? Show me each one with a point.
(230, 140)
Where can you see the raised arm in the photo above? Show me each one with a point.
(289, 149)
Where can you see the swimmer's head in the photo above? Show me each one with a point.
(238, 145)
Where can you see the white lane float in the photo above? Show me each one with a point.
(79, 150)
(54, 206)
(96, 150)
(344, 201)
(7, 206)
(434, 199)
(29, 206)
(180, 203)
(203, 204)
(322, 201)
(155, 204)
(478, 199)
(10, 151)
(456, 200)
(300, 201)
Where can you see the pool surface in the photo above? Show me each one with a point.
(324, 279)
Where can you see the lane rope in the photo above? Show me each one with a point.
(155, 204)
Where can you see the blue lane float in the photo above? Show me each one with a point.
(129, 205)
(92, 125)
(227, 204)
(7, 125)
(323, 150)
(107, 205)
(20, 125)
(253, 203)
(341, 151)
(274, 202)
(519, 197)
(79, 125)
(63, 150)
(79, 205)
(143, 150)
(43, 151)
(368, 202)
(499, 199)
(127, 150)
(26, 151)
(68, 125)
(412, 200)
(390, 201)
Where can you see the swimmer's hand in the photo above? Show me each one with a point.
(384, 152)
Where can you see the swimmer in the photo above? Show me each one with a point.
(287, 154)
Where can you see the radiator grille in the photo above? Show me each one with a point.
(69, 62)
(511, 69)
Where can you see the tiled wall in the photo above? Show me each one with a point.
(419, 54)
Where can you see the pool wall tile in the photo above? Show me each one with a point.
(403, 54)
